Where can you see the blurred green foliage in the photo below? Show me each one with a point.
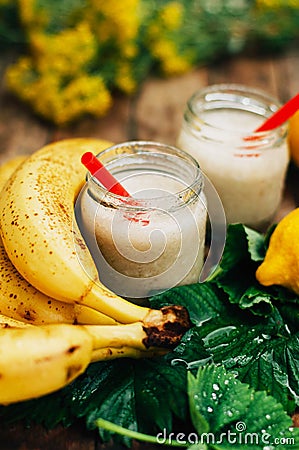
(81, 51)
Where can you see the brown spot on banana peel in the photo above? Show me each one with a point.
(166, 327)
(72, 372)
(72, 349)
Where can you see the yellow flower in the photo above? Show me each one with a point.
(115, 18)
(82, 95)
(176, 65)
(19, 78)
(89, 93)
(99, 42)
(53, 97)
(30, 16)
(153, 31)
(129, 50)
(277, 3)
(171, 62)
(171, 15)
(124, 79)
(45, 99)
(65, 52)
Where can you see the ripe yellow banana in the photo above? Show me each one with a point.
(40, 234)
(108, 353)
(7, 168)
(8, 322)
(35, 361)
(21, 301)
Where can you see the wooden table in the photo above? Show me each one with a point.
(155, 113)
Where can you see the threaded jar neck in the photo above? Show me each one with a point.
(200, 117)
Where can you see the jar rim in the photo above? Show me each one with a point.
(237, 97)
(143, 148)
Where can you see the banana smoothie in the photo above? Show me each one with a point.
(154, 239)
(248, 174)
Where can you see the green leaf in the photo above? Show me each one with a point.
(216, 398)
(256, 244)
(253, 346)
(198, 447)
(130, 388)
(265, 355)
(191, 351)
(259, 302)
(242, 243)
(236, 247)
(49, 410)
(244, 249)
(227, 414)
(203, 301)
(290, 314)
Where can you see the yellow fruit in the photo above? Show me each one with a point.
(294, 138)
(281, 263)
(9, 167)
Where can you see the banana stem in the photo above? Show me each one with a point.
(121, 310)
(86, 315)
(162, 328)
(116, 336)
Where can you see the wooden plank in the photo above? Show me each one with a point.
(135, 446)
(253, 72)
(20, 131)
(161, 103)
(287, 74)
(293, 183)
(287, 204)
(286, 69)
(76, 437)
(18, 437)
(115, 126)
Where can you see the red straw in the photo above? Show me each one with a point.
(98, 171)
(281, 115)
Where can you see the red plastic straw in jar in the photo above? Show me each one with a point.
(281, 115)
(97, 170)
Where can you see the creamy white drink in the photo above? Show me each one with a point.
(155, 239)
(248, 174)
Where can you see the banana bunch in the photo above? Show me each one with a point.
(40, 235)
(21, 301)
(56, 317)
(38, 360)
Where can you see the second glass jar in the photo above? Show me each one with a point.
(248, 173)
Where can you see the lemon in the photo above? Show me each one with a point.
(294, 137)
(281, 263)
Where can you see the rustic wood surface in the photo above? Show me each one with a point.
(155, 113)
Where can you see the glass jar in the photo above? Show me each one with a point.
(154, 239)
(248, 174)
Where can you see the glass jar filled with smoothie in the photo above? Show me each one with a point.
(247, 168)
(154, 239)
